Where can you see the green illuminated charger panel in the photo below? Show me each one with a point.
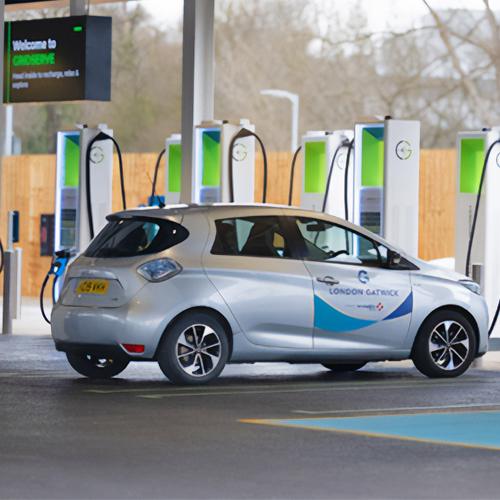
(314, 167)
(471, 164)
(211, 158)
(372, 171)
(174, 168)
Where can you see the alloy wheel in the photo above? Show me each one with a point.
(198, 350)
(449, 345)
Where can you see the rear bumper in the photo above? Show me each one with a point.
(100, 350)
(100, 331)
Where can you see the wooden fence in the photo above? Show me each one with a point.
(28, 184)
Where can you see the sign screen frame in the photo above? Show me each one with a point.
(57, 59)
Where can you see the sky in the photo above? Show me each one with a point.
(396, 13)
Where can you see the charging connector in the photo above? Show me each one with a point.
(57, 269)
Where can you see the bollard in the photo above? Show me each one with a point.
(7, 292)
(17, 261)
(12, 274)
(478, 277)
(478, 274)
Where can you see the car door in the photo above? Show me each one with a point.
(360, 304)
(266, 286)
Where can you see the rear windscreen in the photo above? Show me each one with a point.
(132, 237)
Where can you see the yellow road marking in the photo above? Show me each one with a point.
(369, 434)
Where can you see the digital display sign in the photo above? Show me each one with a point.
(14, 2)
(58, 59)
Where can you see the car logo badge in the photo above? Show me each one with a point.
(363, 277)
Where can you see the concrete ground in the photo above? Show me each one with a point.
(31, 321)
(259, 431)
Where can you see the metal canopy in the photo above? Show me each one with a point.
(13, 5)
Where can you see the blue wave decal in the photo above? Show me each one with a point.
(405, 308)
(327, 317)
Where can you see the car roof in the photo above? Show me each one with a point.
(218, 210)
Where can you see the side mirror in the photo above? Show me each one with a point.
(394, 259)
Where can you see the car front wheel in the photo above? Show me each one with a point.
(96, 366)
(445, 345)
(195, 350)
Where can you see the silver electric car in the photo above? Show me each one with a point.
(196, 287)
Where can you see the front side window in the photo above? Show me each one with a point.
(250, 236)
(136, 236)
(325, 241)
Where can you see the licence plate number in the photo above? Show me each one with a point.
(99, 287)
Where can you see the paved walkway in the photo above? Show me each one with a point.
(31, 321)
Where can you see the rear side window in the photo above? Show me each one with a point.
(136, 236)
(250, 236)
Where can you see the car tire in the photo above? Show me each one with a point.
(95, 366)
(445, 345)
(343, 367)
(195, 350)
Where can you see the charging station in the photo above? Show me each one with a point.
(212, 163)
(318, 151)
(71, 221)
(173, 160)
(386, 180)
(472, 148)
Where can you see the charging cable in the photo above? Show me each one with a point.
(1, 256)
(151, 201)
(343, 144)
(243, 132)
(476, 209)
(290, 192)
(473, 229)
(350, 147)
(101, 136)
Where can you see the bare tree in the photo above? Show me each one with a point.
(443, 71)
(474, 53)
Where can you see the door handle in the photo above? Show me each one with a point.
(328, 280)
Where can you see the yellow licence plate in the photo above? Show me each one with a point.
(99, 287)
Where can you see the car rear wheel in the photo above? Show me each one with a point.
(445, 345)
(195, 350)
(343, 367)
(96, 366)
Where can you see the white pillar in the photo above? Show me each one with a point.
(197, 81)
(77, 8)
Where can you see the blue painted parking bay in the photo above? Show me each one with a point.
(474, 428)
